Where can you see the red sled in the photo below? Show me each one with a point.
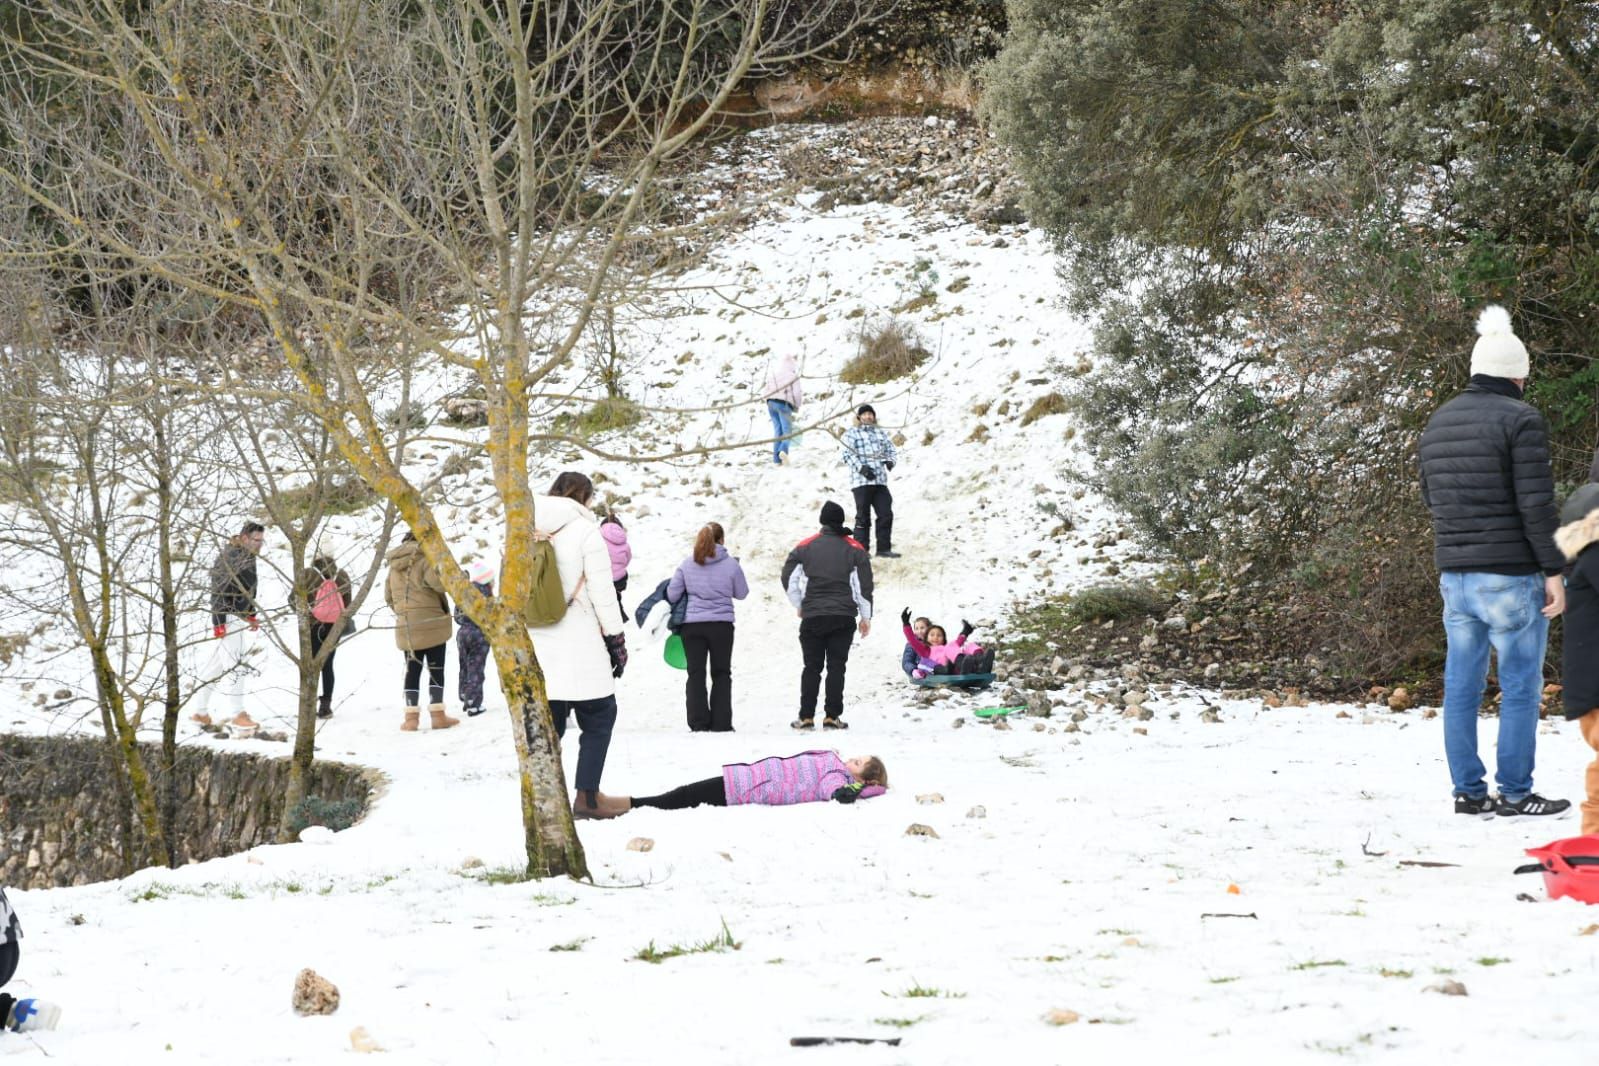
(1570, 867)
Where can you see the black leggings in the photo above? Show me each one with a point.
(711, 792)
(319, 636)
(413, 674)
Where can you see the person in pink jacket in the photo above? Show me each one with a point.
(809, 777)
(938, 655)
(784, 393)
(621, 554)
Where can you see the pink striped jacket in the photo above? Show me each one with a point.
(809, 777)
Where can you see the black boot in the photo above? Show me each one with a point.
(324, 707)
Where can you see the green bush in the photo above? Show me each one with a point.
(1286, 218)
(337, 815)
(338, 496)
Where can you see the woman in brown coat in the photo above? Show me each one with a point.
(421, 629)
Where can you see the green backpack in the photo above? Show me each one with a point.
(545, 603)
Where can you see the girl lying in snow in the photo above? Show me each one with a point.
(937, 655)
(809, 777)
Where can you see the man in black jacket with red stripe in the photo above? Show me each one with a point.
(1486, 478)
(828, 578)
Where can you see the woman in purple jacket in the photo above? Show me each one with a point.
(809, 777)
(712, 580)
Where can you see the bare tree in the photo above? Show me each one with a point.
(338, 171)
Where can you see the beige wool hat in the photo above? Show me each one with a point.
(1498, 352)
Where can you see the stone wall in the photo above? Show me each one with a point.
(64, 822)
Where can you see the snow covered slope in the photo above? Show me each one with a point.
(1192, 890)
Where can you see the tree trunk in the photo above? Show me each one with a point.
(301, 761)
(553, 848)
(123, 735)
(169, 638)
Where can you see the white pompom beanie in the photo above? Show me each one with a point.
(1498, 352)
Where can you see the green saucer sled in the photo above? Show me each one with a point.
(674, 654)
(958, 680)
(997, 712)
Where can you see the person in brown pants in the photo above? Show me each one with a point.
(1578, 537)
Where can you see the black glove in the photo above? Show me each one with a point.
(847, 793)
(905, 617)
(870, 473)
(889, 464)
(966, 628)
(616, 647)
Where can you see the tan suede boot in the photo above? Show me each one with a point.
(413, 716)
(440, 719)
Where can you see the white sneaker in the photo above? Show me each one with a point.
(29, 1015)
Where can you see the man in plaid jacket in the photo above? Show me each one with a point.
(870, 455)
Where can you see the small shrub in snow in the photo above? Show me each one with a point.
(408, 416)
(337, 815)
(607, 415)
(1049, 404)
(887, 352)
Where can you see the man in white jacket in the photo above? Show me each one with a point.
(584, 653)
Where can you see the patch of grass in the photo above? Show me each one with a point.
(1386, 972)
(722, 941)
(150, 893)
(544, 899)
(1053, 958)
(570, 945)
(379, 882)
(1040, 623)
(887, 352)
(899, 1023)
(918, 991)
(1224, 980)
(606, 415)
(1052, 403)
(338, 496)
(1491, 960)
(1116, 932)
(1317, 964)
(506, 875)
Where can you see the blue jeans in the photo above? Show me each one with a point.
(596, 718)
(1504, 612)
(782, 426)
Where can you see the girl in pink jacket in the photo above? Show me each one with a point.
(939, 655)
(615, 537)
(809, 777)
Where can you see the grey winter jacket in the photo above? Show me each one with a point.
(828, 575)
(1486, 478)
(233, 584)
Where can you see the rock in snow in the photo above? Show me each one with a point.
(314, 994)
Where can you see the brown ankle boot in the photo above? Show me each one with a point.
(592, 803)
(440, 719)
(412, 717)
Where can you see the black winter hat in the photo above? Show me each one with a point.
(1579, 504)
(864, 408)
(832, 514)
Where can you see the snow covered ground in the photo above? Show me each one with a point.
(1197, 891)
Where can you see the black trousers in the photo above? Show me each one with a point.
(713, 641)
(472, 648)
(319, 637)
(434, 657)
(867, 499)
(708, 793)
(824, 641)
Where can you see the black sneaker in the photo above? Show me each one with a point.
(802, 724)
(472, 712)
(1481, 806)
(1531, 805)
(834, 723)
(884, 554)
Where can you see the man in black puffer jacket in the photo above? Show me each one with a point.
(828, 577)
(1486, 478)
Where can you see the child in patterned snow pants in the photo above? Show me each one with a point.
(471, 644)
